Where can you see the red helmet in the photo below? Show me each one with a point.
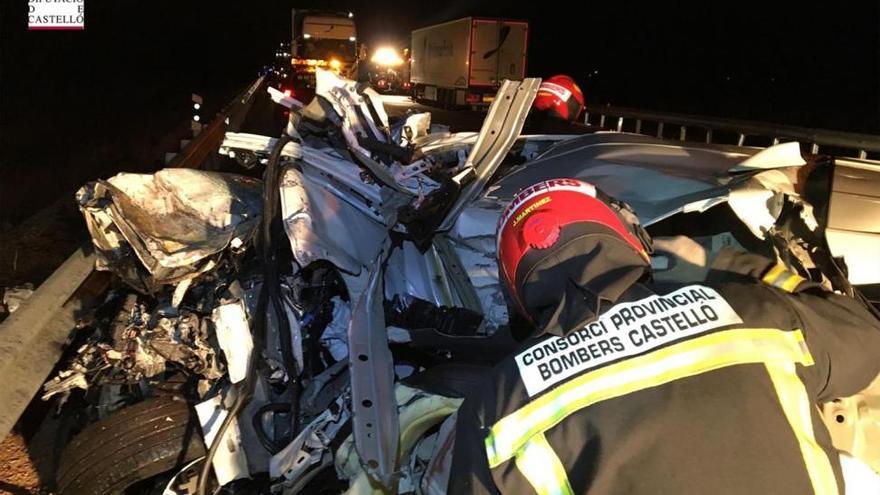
(560, 229)
(561, 97)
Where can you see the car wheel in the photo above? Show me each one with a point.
(129, 446)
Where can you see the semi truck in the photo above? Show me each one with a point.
(320, 39)
(462, 62)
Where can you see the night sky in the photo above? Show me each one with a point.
(134, 66)
(806, 65)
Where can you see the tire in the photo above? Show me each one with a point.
(131, 445)
(445, 98)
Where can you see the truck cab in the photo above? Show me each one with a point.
(325, 40)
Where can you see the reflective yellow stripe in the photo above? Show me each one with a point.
(540, 465)
(797, 406)
(781, 278)
(692, 357)
(774, 272)
(791, 283)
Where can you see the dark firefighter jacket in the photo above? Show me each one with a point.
(705, 388)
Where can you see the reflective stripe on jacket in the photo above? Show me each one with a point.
(676, 389)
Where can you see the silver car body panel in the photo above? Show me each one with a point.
(502, 126)
(331, 213)
(374, 410)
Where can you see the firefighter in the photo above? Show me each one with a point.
(628, 386)
(559, 97)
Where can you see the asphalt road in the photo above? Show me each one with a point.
(267, 117)
(469, 120)
(457, 120)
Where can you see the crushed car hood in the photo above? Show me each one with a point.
(656, 178)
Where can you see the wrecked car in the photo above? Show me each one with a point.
(316, 331)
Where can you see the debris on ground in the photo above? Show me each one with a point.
(321, 321)
(19, 474)
(12, 297)
(140, 345)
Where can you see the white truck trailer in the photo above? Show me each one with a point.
(462, 62)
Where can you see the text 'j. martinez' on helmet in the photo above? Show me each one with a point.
(565, 229)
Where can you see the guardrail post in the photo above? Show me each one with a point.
(602, 120)
(586, 118)
(708, 136)
(196, 123)
(638, 126)
(863, 155)
(682, 133)
(775, 141)
(619, 124)
(814, 149)
(197, 153)
(741, 139)
(660, 130)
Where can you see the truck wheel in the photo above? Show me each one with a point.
(444, 98)
(131, 445)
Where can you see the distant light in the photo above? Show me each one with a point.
(196, 106)
(386, 57)
(335, 64)
(351, 38)
(196, 118)
(307, 36)
(350, 15)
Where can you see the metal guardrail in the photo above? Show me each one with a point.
(210, 138)
(632, 120)
(33, 338)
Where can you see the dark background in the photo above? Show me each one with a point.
(77, 105)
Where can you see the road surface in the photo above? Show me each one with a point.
(267, 117)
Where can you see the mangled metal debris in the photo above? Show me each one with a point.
(301, 346)
(12, 297)
(141, 344)
(169, 227)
